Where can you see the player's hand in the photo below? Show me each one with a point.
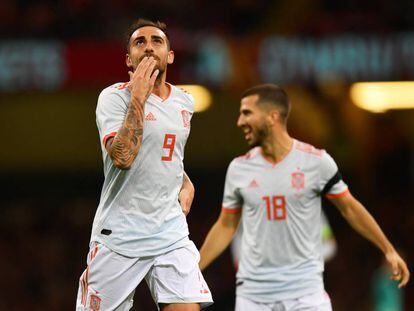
(141, 81)
(186, 197)
(399, 268)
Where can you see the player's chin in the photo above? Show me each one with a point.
(252, 142)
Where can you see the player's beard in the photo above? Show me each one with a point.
(161, 66)
(259, 136)
(161, 71)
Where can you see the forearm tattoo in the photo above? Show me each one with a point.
(126, 144)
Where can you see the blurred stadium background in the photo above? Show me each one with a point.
(56, 56)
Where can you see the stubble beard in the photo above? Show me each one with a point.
(157, 66)
(261, 135)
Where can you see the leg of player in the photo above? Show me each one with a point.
(176, 283)
(110, 279)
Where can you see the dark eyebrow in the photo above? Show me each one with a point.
(152, 37)
(157, 37)
(138, 38)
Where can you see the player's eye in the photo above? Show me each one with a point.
(158, 40)
(140, 41)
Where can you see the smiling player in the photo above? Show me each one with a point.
(276, 190)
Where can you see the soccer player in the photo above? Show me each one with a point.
(140, 228)
(275, 190)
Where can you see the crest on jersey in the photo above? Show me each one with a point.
(298, 180)
(95, 303)
(186, 117)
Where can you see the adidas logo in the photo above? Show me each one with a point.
(150, 117)
(253, 184)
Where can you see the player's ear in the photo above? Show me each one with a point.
(128, 60)
(274, 117)
(170, 57)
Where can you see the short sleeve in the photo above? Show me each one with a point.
(187, 99)
(187, 105)
(110, 114)
(331, 184)
(232, 200)
(192, 103)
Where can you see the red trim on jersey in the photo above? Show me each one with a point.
(82, 289)
(277, 162)
(84, 282)
(337, 195)
(308, 149)
(169, 93)
(231, 210)
(123, 85)
(105, 140)
(85, 287)
(95, 251)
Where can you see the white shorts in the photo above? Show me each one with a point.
(110, 279)
(318, 301)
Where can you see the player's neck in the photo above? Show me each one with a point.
(276, 147)
(161, 88)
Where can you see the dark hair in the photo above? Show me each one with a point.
(143, 23)
(271, 94)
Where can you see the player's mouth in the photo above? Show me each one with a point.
(150, 55)
(248, 133)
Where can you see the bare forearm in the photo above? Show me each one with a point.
(215, 243)
(127, 142)
(186, 195)
(187, 184)
(362, 221)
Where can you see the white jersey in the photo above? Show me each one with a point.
(328, 246)
(139, 213)
(281, 218)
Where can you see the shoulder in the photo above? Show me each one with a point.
(308, 149)
(311, 157)
(241, 166)
(183, 95)
(247, 157)
(119, 88)
(318, 158)
(114, 93)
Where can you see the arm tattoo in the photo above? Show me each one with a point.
(127, 142)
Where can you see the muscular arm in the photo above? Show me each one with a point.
(124, 147)
(219, 237)
(362, 221)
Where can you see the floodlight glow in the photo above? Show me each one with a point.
(382, 96)
(201, 94)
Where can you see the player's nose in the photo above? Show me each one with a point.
(149, 48)
(240, 121)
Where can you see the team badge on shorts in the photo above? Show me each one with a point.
(95, 303)
(298, 180)
(186, 117)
